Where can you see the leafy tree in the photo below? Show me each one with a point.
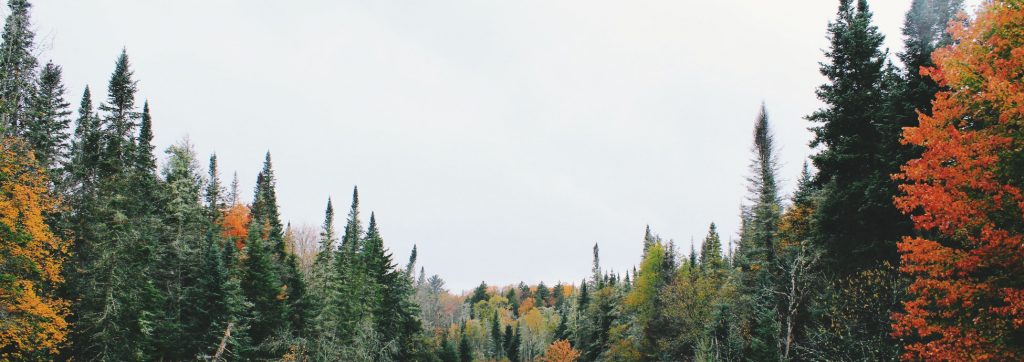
(561, 351)
(34, 323)
(967, 292)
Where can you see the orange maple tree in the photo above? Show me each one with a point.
(560, 351)
(235, 224)
(32, 317)
(966, 297)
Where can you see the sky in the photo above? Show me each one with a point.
(504, 138)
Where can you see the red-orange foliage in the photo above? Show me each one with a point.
(236, 224)
(966, 299)
(560, 351)
(32, 317)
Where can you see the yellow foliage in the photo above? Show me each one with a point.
(31, 257)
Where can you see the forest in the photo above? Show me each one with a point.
(904, 239)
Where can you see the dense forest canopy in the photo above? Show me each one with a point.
(902, 239)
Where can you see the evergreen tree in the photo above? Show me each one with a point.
(118, 237)
(48, 121)
(395, 314)
(711, 250)
(266, 215)
(262, 287)
(542, 295)
(497, 349)
(85, 148)
(856, 221)
(145, 160)
(764, 194)
(465, 349)
(119, 120)
(448, 352)
(214, 193)
(17, 68)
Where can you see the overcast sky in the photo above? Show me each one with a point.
(504, 138)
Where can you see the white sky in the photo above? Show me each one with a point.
(504, 138)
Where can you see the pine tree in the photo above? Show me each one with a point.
(17, 68)
(48, 121)
(764, 193)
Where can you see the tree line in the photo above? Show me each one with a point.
(903, 241)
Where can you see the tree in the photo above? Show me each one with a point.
(48, 121)
(856, 221)
(966, 298)
(465, 349)
(119, 120)
(561, 351)
(262, 287)
(17, 67)
(711, 250)
(31, 257)
(497, 348)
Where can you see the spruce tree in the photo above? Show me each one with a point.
(17, 68)
(262, 286)
(266, 215)
(497, 350)
(48, 121)
(856, 222)
(119, 237)
(711, 250)
(447, 352)
(119, 120)
(465, 349)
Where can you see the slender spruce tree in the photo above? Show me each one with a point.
(48, 121)
(17, 67)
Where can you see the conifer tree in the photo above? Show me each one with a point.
(497, 350)
(119, 120)
(465, 349)
(17, 68)
(48, 121)
(262, 287)
(448, 352)
(711, 250)
(856, 221)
